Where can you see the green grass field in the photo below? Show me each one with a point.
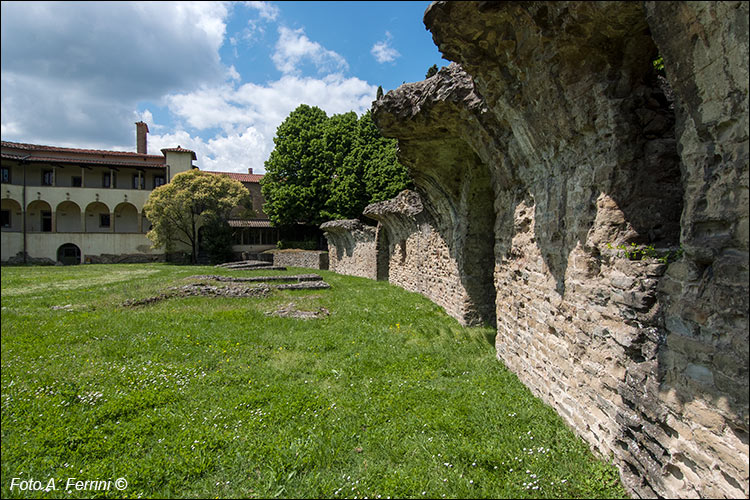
(212, 397)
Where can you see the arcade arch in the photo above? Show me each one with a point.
(12, 215)
(98, 218)
(39, 217)
(68, 217)
(126, 218)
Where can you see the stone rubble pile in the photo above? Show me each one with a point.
(295, 277)
(251, 264)
(261, 289)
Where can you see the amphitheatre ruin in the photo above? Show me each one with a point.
(592, 210)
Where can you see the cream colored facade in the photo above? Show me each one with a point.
(76, 205)
(92, 201)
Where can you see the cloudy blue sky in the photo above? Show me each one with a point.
(214, 77)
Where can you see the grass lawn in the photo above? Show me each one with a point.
(212, 397)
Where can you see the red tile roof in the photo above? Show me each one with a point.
(38, 147)
(249, 223)
(240, 177)
(125, 162)
(179, 149)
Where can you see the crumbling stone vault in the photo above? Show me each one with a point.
(450, 255)
(351, 248)
(551, 144)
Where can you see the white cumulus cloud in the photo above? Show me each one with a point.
(383, 52)
(248, 116)
(266, 10)
(76, 73)
(294, 48)
(78, 69)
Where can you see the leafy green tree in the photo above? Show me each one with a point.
(296, 179)
(216, 239)
(325, 168)
(345, 182)
(384, 176)
(431, 71)
(177, 208)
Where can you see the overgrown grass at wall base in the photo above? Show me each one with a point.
(214, 397)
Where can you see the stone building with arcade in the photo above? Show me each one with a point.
(73, 205)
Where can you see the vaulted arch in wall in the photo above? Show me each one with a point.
(433, 120)
(98, 218)
(68, 217)
(69, 254)
(14, 215)
(457, 192)
(39, 217)
(382, 254)
(126, 218)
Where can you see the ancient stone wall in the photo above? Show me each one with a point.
(17, 260)
(705, 295)
(351, 248)
(563, 145)
(311, 259)
(135, 258)
(414, 254)
(431, 121)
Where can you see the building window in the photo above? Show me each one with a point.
(5, 218)
(255, 236)
(158, 181)
(46, 221)
(269, 237)
(109, 179)
(76, 181)
(47, 177)
(103, 220)
(136, 183)
(6, 174)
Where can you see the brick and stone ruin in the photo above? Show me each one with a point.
(210, 285)
(546, 153)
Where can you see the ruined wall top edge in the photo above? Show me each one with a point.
(407, 203)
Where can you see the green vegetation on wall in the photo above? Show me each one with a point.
(643, 252)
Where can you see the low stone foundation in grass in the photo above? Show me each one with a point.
(311, 259)
(261, 289)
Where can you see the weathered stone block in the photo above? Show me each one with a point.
(311, 259)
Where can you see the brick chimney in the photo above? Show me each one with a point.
(141, 129)
(250, 170)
